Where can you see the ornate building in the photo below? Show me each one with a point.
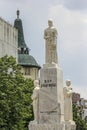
(29, 65)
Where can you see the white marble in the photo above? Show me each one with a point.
(51, 94)
(70, 125)
(35, 98)
(45, 127)
(8, 39)
(68, 102)
(50, 36)
(51, 107)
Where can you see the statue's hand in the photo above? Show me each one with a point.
(69, 94)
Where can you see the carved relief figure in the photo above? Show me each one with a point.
(68, 101)
(35, 98)
(50, 36)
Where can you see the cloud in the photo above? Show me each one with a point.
(74, 4)
(80, 89)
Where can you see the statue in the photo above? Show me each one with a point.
(50, 36)
(35, 98)
(68, 102)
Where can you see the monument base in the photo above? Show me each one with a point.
(63, 126)
(46, 126)
(70, 125)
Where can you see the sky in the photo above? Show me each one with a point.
(70, 19)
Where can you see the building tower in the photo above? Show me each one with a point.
(29, 65)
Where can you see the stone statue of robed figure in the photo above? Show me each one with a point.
(68, 101)
(35, 98)
(50, 36)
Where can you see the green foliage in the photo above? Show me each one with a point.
(15, 96)
(80, 124)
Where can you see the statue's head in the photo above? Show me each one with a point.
(68, 82)
(50, 22)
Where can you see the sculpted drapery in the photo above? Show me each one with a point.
(35, 98)
(68, 102)
(50, 36)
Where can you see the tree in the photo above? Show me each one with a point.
(15, 96)
(80, 124)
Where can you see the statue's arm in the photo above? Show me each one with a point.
(45, 35)
(56, 33)
(69, 92)
(34, 95)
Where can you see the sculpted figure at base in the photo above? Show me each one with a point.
(68, 101)
(35, 98)
(50, 36)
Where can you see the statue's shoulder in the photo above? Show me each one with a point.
(65, 88)
(53, 28)
(37, 88)
(47, 29)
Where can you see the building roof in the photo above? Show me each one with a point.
(19, 27)
(21, 41)
(27, 60)
(24, 59)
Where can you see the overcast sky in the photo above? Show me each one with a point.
(70, 19)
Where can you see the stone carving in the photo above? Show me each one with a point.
(35, 98)
(51, 95)
(51, 101)
(70, 125)
(50, 36)
(68, 102)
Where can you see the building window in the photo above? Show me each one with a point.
(27, 71)
(7, 34)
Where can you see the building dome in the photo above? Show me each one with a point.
(27, 60)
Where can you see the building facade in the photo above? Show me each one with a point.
(84, 114)
(75, 97)
(8, 39)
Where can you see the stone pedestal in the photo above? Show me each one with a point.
(51, 109)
